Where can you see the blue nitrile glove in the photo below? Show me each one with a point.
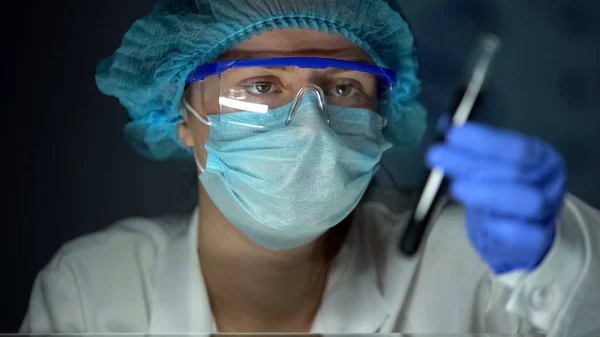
(512, 187)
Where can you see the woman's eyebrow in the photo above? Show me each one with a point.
(281, 68)
(333, 71)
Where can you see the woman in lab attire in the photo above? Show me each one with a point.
(285, 108)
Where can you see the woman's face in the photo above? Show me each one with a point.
(203, 96)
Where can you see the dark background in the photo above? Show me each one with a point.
(68, 170)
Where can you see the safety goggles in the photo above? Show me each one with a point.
(269, 85)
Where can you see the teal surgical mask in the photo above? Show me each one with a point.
(285, 185)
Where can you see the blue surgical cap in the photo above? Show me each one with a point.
(147, 73)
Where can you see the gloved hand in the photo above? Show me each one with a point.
(512, 187)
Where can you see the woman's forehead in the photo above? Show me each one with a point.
(296, 42)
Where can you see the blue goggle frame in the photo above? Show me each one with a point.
(217, 68)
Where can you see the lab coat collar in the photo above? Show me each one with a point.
(352, 301)
(181, 304)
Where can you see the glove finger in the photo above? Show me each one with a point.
(458, 163)
(515, 232)
(554, 188)
(513, 200)
(550, 167)
(499, 144)
(552, 175)
(522, 243)
(477, 220)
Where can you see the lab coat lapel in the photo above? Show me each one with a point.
(378, 285)
(397, 282)
(181, 304)
(400, 271)
(353, 302)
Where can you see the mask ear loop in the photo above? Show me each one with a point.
(204, 121)
(191, 109)
(200, 168)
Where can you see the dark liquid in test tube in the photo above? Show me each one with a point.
(418, 225)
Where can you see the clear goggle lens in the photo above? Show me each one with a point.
(277, 90)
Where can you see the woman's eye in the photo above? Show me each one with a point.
(343, 90)
(260, 88)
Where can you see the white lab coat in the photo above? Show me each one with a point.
(143, 276)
